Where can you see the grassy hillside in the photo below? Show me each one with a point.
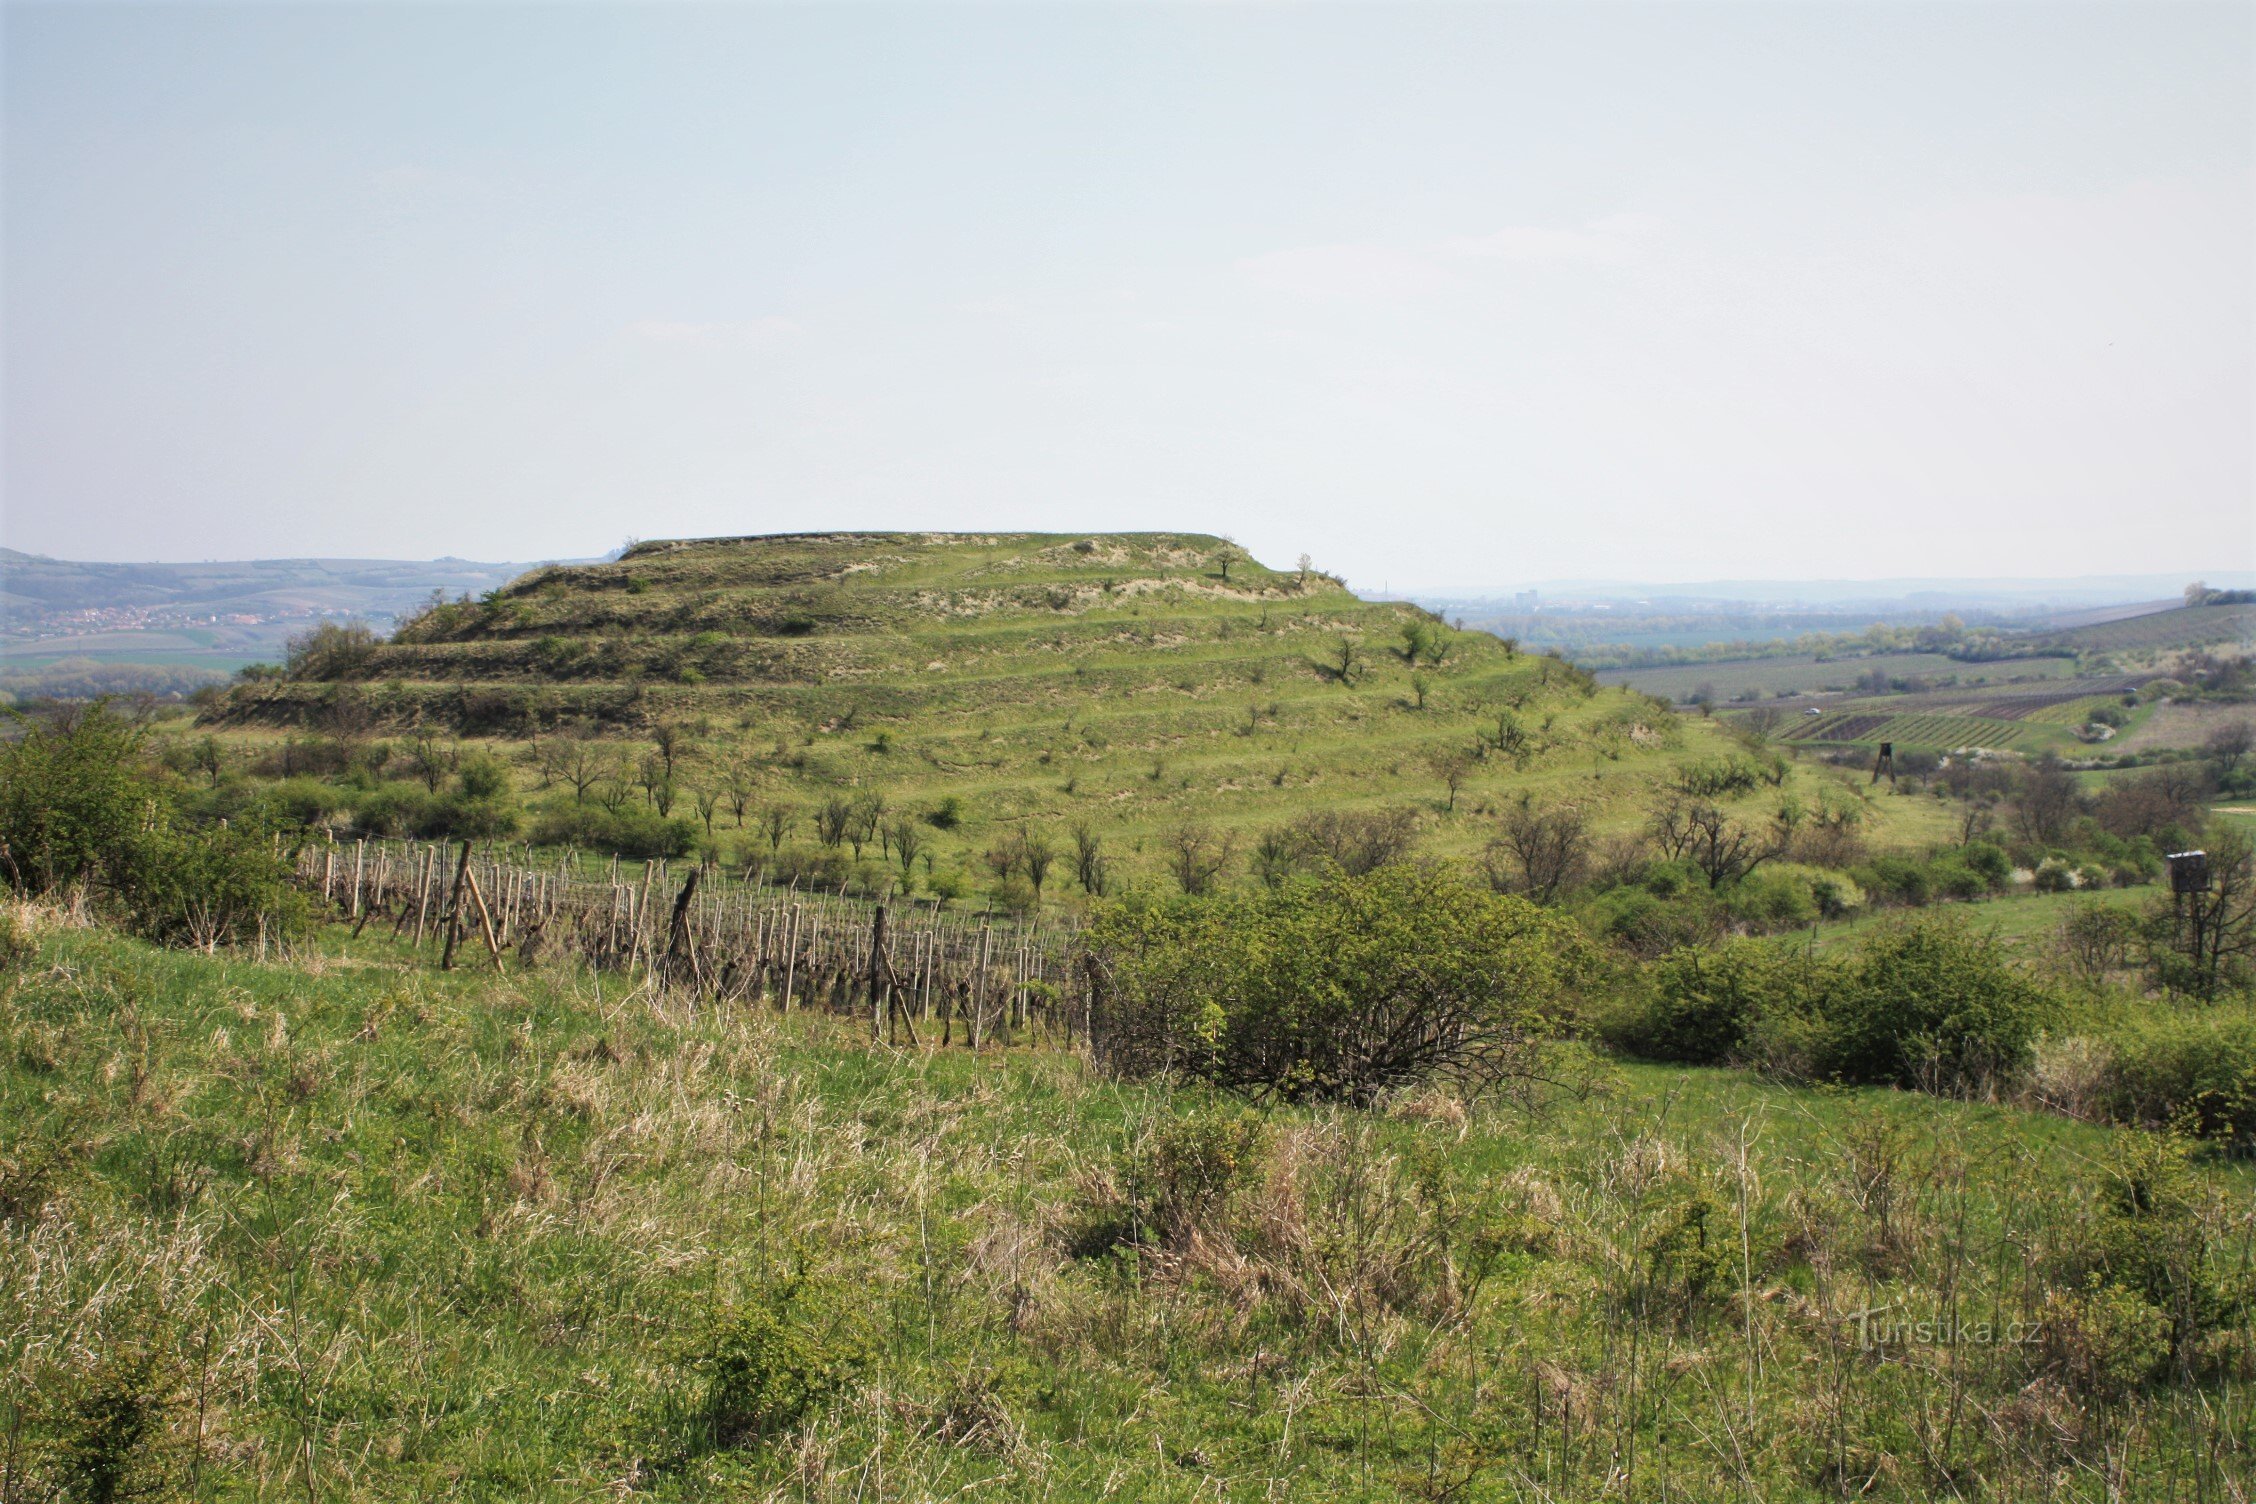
(1124, 681)
(348, 1228)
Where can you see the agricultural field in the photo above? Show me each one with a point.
(1769, 678)
(2027, 718)
(2161, 631)
(1862, 726)
(1116, 682)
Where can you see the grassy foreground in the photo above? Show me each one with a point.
(345, 1229)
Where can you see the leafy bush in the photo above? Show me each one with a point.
(1691, 1252)
(631, 832)
(1929, 1002)
(208, 887)
(1651, 919)
(331, 650)
(72, 795)
(1989, 859)
(2101, 1341)
(80, 808)
(772, 1360)
(1339, 989)
(2161, 1236)
(1898, 880)
(2195, 1071)
(1702, 1003)
(1184, 1177)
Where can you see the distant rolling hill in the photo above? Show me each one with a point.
(72, 628)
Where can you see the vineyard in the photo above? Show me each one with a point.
(2186, 627)
(714, 938)
(1915, 730)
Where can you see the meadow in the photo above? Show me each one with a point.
(344, 1227)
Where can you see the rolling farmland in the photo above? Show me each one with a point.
(1928, 730)
(2186, 627)
(1759, 678)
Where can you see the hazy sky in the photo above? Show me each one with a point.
(1443, 295)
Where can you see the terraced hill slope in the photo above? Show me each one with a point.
(1133, 682)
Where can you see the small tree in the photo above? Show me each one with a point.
(1198, 856)
(833, 818)
(671, 743)
(2045, 799)
(1346, 663)
(431, 759)
(2229, 743)
(740, 782)
(908, 840)
(656, 777)
(1724, 850)
(1036, 857)
(1539, 853)
(864, 816)
(707, 797)
(207, 758)
(775, 823)
(584, 764)
(1090, 865)
(1452, 765)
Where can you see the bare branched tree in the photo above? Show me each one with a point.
(1539, 853)
(1090, 865)
(1198, 856)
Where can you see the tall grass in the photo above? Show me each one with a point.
(346, 1229)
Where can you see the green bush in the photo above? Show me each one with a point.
(771, 1361)
(1989, 859)
(2161, 1234)
(208, 887)
(2191, 1070)
(1338, 989)
(2102, 1341)
(1898, 880)
(1703, 1003)
(79, 807)
(1183, 1178)
(72, 795)
(1646, 922)
(629, 832)
(1930, 1002)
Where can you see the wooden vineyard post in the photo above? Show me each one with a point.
(677, 937)
(790, 959)
(979, 989)
(876, 978)
(485, 917)
(454, 909)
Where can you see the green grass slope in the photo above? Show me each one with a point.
(1118, 680)
(353, 1229)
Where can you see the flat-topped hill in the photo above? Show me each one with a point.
(878, 625)
(1130, 682)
